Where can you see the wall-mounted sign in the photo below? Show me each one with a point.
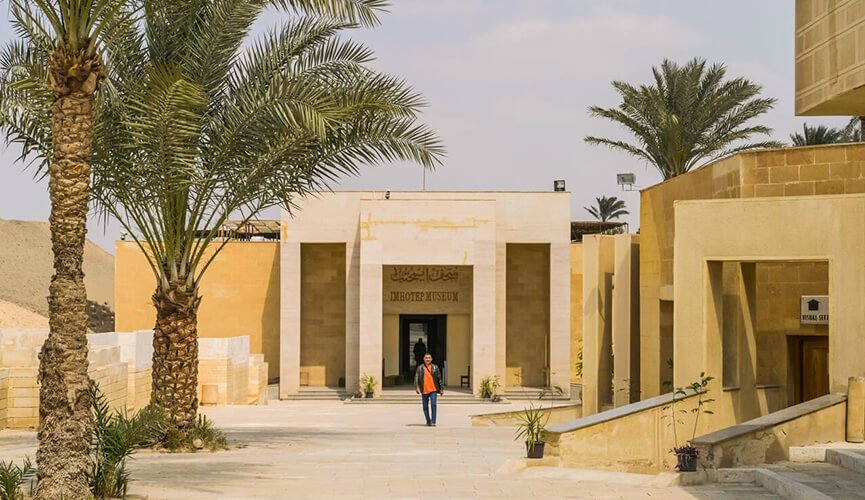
(815, 310)
(425, 296)
(423, 274)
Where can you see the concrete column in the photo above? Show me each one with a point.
(698, 319)
(625, 320)
(846, 335)
(501, 314)
(289, 319)
(352, 314)
(856, 410)
(748, 402)
(484, 298)
(561, 365)
(597, 330)
(370, 324)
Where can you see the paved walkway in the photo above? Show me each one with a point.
(303, 449)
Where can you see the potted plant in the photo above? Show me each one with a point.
(686, 454)
(367, 385)
(531, 427)
(489, 388)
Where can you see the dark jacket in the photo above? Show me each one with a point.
(436, 375)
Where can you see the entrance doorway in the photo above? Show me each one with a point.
(431, 332)
(809, 366)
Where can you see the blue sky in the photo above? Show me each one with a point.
(509, 82)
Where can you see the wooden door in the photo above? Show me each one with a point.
(815, 367)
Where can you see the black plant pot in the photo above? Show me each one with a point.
(369, 395)
(687, 460)
(535, 450)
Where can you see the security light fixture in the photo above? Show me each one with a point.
(626, 181)
(387, 194)
(559, 185)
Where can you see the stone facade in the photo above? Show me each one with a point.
(467, 233)
(781, 173)
(830, 59)
(322, 314)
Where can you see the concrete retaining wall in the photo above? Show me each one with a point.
(555, 415)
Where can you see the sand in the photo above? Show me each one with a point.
(15, 316)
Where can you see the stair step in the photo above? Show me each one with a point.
(814, 481)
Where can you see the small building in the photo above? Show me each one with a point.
(480, 279)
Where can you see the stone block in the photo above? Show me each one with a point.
(768, 190)
(854, 186)
(799, 156)
(799, 189)
(835, 186)
(830, 154)
(755, 175)
(818, 172)
(847, 170)
(782, 175)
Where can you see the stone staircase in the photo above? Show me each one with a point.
(822, 472)
(533, 394)
(408, 396)
(318, 394)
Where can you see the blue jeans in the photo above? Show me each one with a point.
(427, 399)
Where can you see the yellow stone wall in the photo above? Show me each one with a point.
(803, 171)
(390, 344)
(322, 313)
(459, 347)
(830, 57)
(240, 295)
(528, 312)
(576, 308)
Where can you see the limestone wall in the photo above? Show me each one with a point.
(240, 295)
(120, 363)
(322, 314)
(830, 60)
(786, 172)
(528, 314)
(576, 309)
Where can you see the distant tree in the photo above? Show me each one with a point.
(607, 208)
(689, 117)
(821, 134)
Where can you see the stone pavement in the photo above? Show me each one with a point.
(315, 449)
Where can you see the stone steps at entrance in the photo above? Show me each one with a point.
(318, 394)
(532, 394)
(406, 395)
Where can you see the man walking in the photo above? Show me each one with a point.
(428, 383)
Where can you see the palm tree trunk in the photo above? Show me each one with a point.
(175, 352)
(63, 457)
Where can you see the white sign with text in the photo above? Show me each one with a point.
(815, 310)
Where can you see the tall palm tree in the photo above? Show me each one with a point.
(198, 129)
(59, 51)
(821, 134)
(689, 117)
(607, 208)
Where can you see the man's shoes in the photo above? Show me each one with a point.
(433, 425)
(429, 424)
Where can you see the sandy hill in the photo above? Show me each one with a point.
(26, 266)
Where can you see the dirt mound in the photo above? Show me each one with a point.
(15, 316)
(26, 265)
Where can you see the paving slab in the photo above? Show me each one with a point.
(326, 449)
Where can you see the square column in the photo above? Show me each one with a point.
(501, 314)
(289, 319)
(597, 327)
(484, 321)
(626, 327)
(560, 364)
(352, 315)
(370, 321)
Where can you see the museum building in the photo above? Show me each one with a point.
(481, 280)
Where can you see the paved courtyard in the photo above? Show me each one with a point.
(303, 449)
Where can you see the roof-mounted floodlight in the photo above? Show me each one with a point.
(626, 181)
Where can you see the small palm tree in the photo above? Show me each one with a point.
(607, 208)
(55, 71)
(689, 117)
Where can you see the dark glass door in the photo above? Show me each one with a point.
(421, 334)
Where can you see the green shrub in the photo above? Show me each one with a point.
(116, 436)
(13, 477)
(489, 387)
(202, 435)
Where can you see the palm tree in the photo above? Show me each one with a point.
(197, 130)
(607, 208)
(821, 134)
(689, 117)
(59, 52)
